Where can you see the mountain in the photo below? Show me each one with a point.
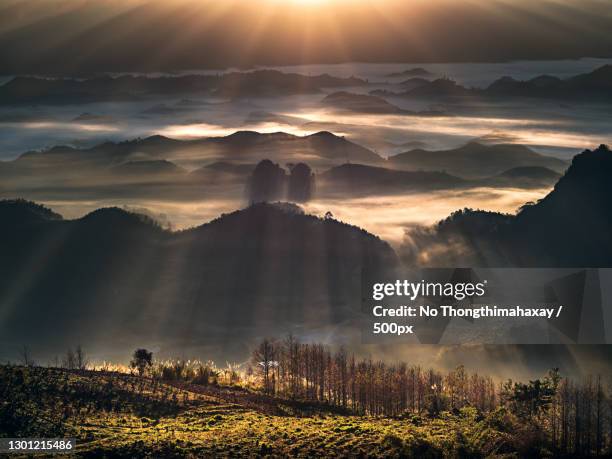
(475, 160)
(440, 88)
(270, 83)
(361, 103)
(322, 147)
(264, 83)
(570, 227)
(359, 180)
(414, 72)
(117, 278)
(413, 83)
(595, 84)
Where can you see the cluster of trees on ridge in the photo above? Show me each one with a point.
(569, 417)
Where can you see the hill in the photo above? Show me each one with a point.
(111, 274)
(475, 160)
(111, 414)
(570, 227)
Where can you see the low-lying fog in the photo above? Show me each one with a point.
(386, 216)
(563, 129)
(548, 127)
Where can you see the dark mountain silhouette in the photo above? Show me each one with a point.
(570, 227)
(475, 160)
(117, 277)
(440, 88)
(61, 91)
(596, 84)
(361, 103)
(413, 83)
(364, 103)
(414, 72)
(271, 83)
(361, 180)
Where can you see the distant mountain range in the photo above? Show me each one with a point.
(116, 277)
(261, 83)
(360, 180)
(190, 169)
(570, 227)
(364, 103)
(352, 180)
(596, 84)
(32, 90)
(593, 85)
(475, 160)
(320, 149)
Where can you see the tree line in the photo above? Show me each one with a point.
(571, 417)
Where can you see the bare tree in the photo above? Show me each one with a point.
(69, 360)
(26, 357)
(80, 358)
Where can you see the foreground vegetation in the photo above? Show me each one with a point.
(118, 414)
(301, 400)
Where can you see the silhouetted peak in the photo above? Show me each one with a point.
(117, 219)
(21, 211)
(283, 216)
(243, 135)
(591, 165)
(584, 190)
(324, 135)
(545, 81)
(603, 73)
(157, 139)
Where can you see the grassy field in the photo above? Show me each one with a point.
(114, 414)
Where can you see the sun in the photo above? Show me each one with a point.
(309, 2)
